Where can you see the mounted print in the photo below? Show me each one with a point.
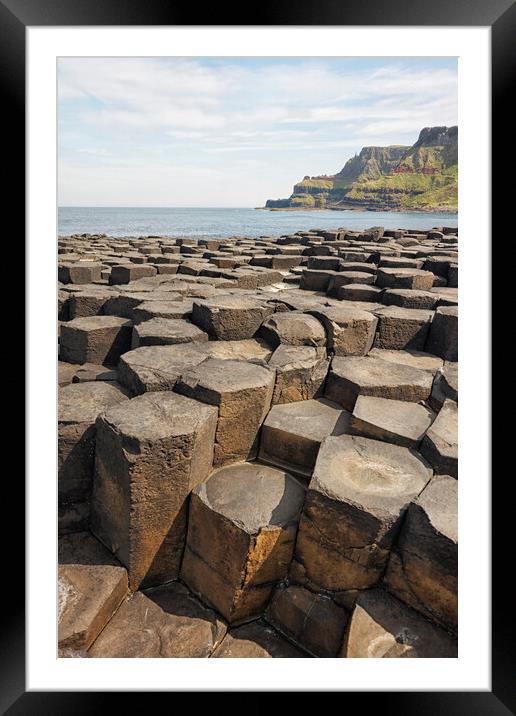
(258, 357)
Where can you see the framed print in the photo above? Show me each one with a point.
(256, 229)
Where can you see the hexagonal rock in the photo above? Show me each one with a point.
(404, 278)
(96, 339)
(300, 373)
(402, 328)
(445, 385)
(242, 525)
(443, 336)
(416, 359)
(394, 421)
(78, 407)
(242, 392)
(407, 298)
(422, 569)
(230, 318)
(89, 372)
(91, 586)
(382, 627)
(358, 494)
(352, 376)
(350, 331)
(175, 308)
(166, 622)
(80, 272)
(148, 456)
(345, 278)
(166, 331)
(359, 292)
(88, 303)
(440, 444)
(256, 640)
(316, 280)
(130, 272)
(311, 620)
(293, 328)
(157, 368)
(250, 349)
(292, 434)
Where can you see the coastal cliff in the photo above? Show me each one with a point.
(421, 177)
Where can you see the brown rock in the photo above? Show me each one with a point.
(382, 627)
(157, 368)
(241, 530)
(300, 373)
(402, 328)
(293, 328)
(96, 339)
(352, 376)
(166, 331)
(440, 444)
(256, 640)
(356, 499)
(149, 455)
(78, 407)
(350, 331)
(167, 622)
(394, 421)
(242, 392)
(311, 620)
(230, 318)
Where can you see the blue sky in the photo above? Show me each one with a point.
(233, 131)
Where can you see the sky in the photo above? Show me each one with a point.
(233, 132)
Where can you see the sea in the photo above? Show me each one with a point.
(201, 222)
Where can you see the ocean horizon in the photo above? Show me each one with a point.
(227, 222)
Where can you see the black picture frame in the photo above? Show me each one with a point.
(500, 16)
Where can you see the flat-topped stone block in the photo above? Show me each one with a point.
(230, 318)
(382, 627)
(165, 622)
(293, 328)
(311, 620)
(80, 272)
(402, 328)
(166, 331)
(408, 298)
(256, 640)
(292, 434)
(88, 302)
(254, 350)
(440, 444)
(78, 408)
(443, 336)
(130, 272)
(404, 278)
(242, 392)
(423, 568)
(350, 331)
(352, 376)
(96, 339)
(300, 373)
(157, 368)
(148, 457)
(91, 586)
(241, 529)
(359, 292)
(394, 421)
(416, 359)
(358, 494)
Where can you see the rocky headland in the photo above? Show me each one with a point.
(257, 445)
(421, 177)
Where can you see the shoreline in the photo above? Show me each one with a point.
(452, 212)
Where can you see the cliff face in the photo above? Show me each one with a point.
(418, 177)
